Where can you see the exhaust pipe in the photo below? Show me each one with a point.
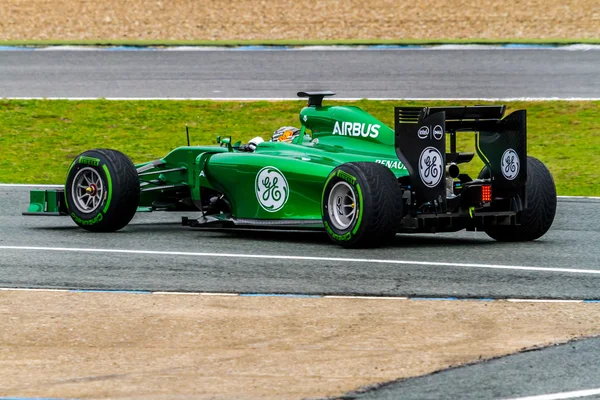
(452, 170)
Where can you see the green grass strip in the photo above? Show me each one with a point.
(40, 138)
(289, 42)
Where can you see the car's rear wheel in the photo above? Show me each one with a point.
(361, 205)
(102, 191)
(538, 215)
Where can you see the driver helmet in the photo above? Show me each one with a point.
(285, 134)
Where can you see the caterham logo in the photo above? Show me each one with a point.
(272, 190)
(431, 167)
(356, 129)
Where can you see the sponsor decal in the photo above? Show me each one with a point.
(356, 129)
(345, 237)
(92, 221)
(346, 176)
(272, 189)
(510, 164)
(438, 132)
(392, 164)
(431, 166)
(89, 161)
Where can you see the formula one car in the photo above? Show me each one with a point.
(345, 172)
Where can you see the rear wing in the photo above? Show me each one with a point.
(501, 143)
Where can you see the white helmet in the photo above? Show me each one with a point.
(254, 142)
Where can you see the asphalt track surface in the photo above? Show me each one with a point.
(566, 368)
(571, 245)
(567, 259)
(273, 74)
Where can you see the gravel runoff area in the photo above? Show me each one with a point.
(305, 20)
(99, 345)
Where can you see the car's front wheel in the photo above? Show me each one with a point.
(102, 191)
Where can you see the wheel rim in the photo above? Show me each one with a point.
(341, 205)
(87, 190)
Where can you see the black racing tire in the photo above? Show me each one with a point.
(372, 191)
(102, 191)
(538, 215)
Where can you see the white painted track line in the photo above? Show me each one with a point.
(304, 100)
(364, 297)
(565, 395)
(304, 258)
(30, 185)
(579, 197)
(542, 301)
(324, 47)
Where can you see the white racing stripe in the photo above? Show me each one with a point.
(302, 258)
(564, 395)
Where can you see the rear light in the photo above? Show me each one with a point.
(486, 193)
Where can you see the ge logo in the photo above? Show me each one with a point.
(423, 132)
(272, 190)
(510, 164)
(431, 167)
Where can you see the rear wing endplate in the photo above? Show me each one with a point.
(420, 141)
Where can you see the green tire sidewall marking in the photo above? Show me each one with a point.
(95, 162)
(346, 176)
(339, 174)
(345, 237)
(109, 182)
(92, 221)
(85, 160)
(351, 180)
(358, 209)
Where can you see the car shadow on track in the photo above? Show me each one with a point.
(320, 237)
(131, 228)
(315, 237)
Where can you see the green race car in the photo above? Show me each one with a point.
(344, 171)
